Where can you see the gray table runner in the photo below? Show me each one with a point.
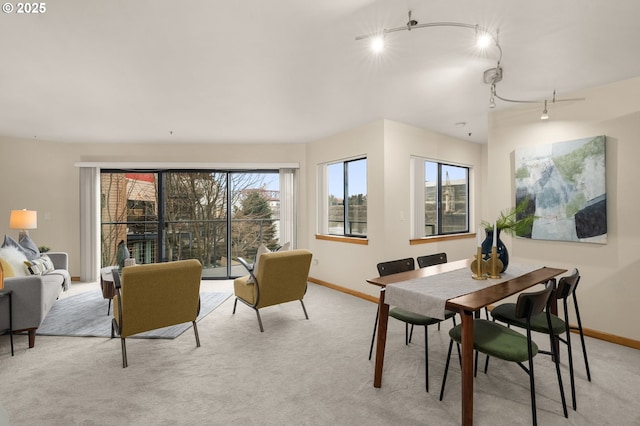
(428, 295)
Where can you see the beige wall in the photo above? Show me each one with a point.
(41, 176)
(609, 292)
(388, 146)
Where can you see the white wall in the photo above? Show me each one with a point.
(608, 292)
(41, 176)
(388, 146)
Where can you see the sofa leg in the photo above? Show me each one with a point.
(32, 337)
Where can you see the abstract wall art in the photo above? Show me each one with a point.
(564, 186)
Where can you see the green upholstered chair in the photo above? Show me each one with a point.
(280, 277)
(408, 317)
(154, 296)
(567, 286)
(499, 341)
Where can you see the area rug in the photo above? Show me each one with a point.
(85, 315)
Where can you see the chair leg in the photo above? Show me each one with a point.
(259, 321)
(124, 352)
(570, 355)
(373, 337)
(584, 348)
(426, 358)
(195, 330)
(406, 333)
(234, 305)
(304, 309)
(556, 361)
(446, 369)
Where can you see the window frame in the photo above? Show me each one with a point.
(417, 168)
(323, 194)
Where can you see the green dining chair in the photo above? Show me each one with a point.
(408, 317)
(567, 286)
(498, 341)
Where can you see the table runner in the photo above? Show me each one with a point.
(428, 295)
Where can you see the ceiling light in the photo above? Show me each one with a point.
(377, 44)
(545, 115)
(484, 39)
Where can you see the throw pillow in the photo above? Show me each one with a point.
(7, 269)
(15, 258)
(30, 248)
(261, 250)
(39, 266)
(10, 242)
(285, 247)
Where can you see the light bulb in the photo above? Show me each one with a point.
(377, 44)
(483, 40)
(492, 103)
(545, 115)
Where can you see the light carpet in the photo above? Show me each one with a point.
(85, 315)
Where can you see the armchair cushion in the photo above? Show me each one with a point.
(157, 295)
(282, 277)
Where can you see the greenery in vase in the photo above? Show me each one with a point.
(513, 221)
(44, 249)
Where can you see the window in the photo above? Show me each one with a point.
(346, 198)
(441, 198)
(190, 214)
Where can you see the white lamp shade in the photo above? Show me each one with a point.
(23, 219)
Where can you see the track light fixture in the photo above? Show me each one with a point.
(484, 39)
(545, 115)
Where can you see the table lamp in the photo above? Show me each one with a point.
(23, 220)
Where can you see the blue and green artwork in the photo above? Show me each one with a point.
(564, 186)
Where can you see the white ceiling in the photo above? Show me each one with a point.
(291, 71)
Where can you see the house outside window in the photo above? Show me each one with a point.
(441, 198)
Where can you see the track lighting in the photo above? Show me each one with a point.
(484, 39)
(545, 115)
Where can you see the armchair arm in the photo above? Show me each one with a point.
(60, 259)
(248, 267)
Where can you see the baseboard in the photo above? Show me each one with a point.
(612, 338)
(359, 294)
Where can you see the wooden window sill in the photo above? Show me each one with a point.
(341, 239)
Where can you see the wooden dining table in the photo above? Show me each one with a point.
(467, 304)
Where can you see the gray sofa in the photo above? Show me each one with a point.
(33, 296)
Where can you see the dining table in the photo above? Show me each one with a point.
(431, 290)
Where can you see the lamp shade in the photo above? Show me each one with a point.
(23, 219)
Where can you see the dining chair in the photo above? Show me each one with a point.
(499, 341)
(430, 260)
(566, 288)
(408, 317)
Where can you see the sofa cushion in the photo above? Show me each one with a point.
(15, 258)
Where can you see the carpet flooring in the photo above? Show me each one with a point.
(85, 315)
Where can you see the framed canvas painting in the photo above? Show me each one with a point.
(564, 186)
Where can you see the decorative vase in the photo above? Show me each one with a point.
(503, 253)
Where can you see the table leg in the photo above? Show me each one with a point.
(383, 320)
(467, 367)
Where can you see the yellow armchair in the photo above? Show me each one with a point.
(281, 277)
(154, 296)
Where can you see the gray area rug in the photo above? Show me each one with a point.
(85, 315)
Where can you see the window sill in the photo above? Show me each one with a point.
(440, 238)
(338, 239)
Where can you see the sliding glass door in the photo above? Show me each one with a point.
(184, 214)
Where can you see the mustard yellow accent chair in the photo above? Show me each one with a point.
(154, 296)
(281, 277)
